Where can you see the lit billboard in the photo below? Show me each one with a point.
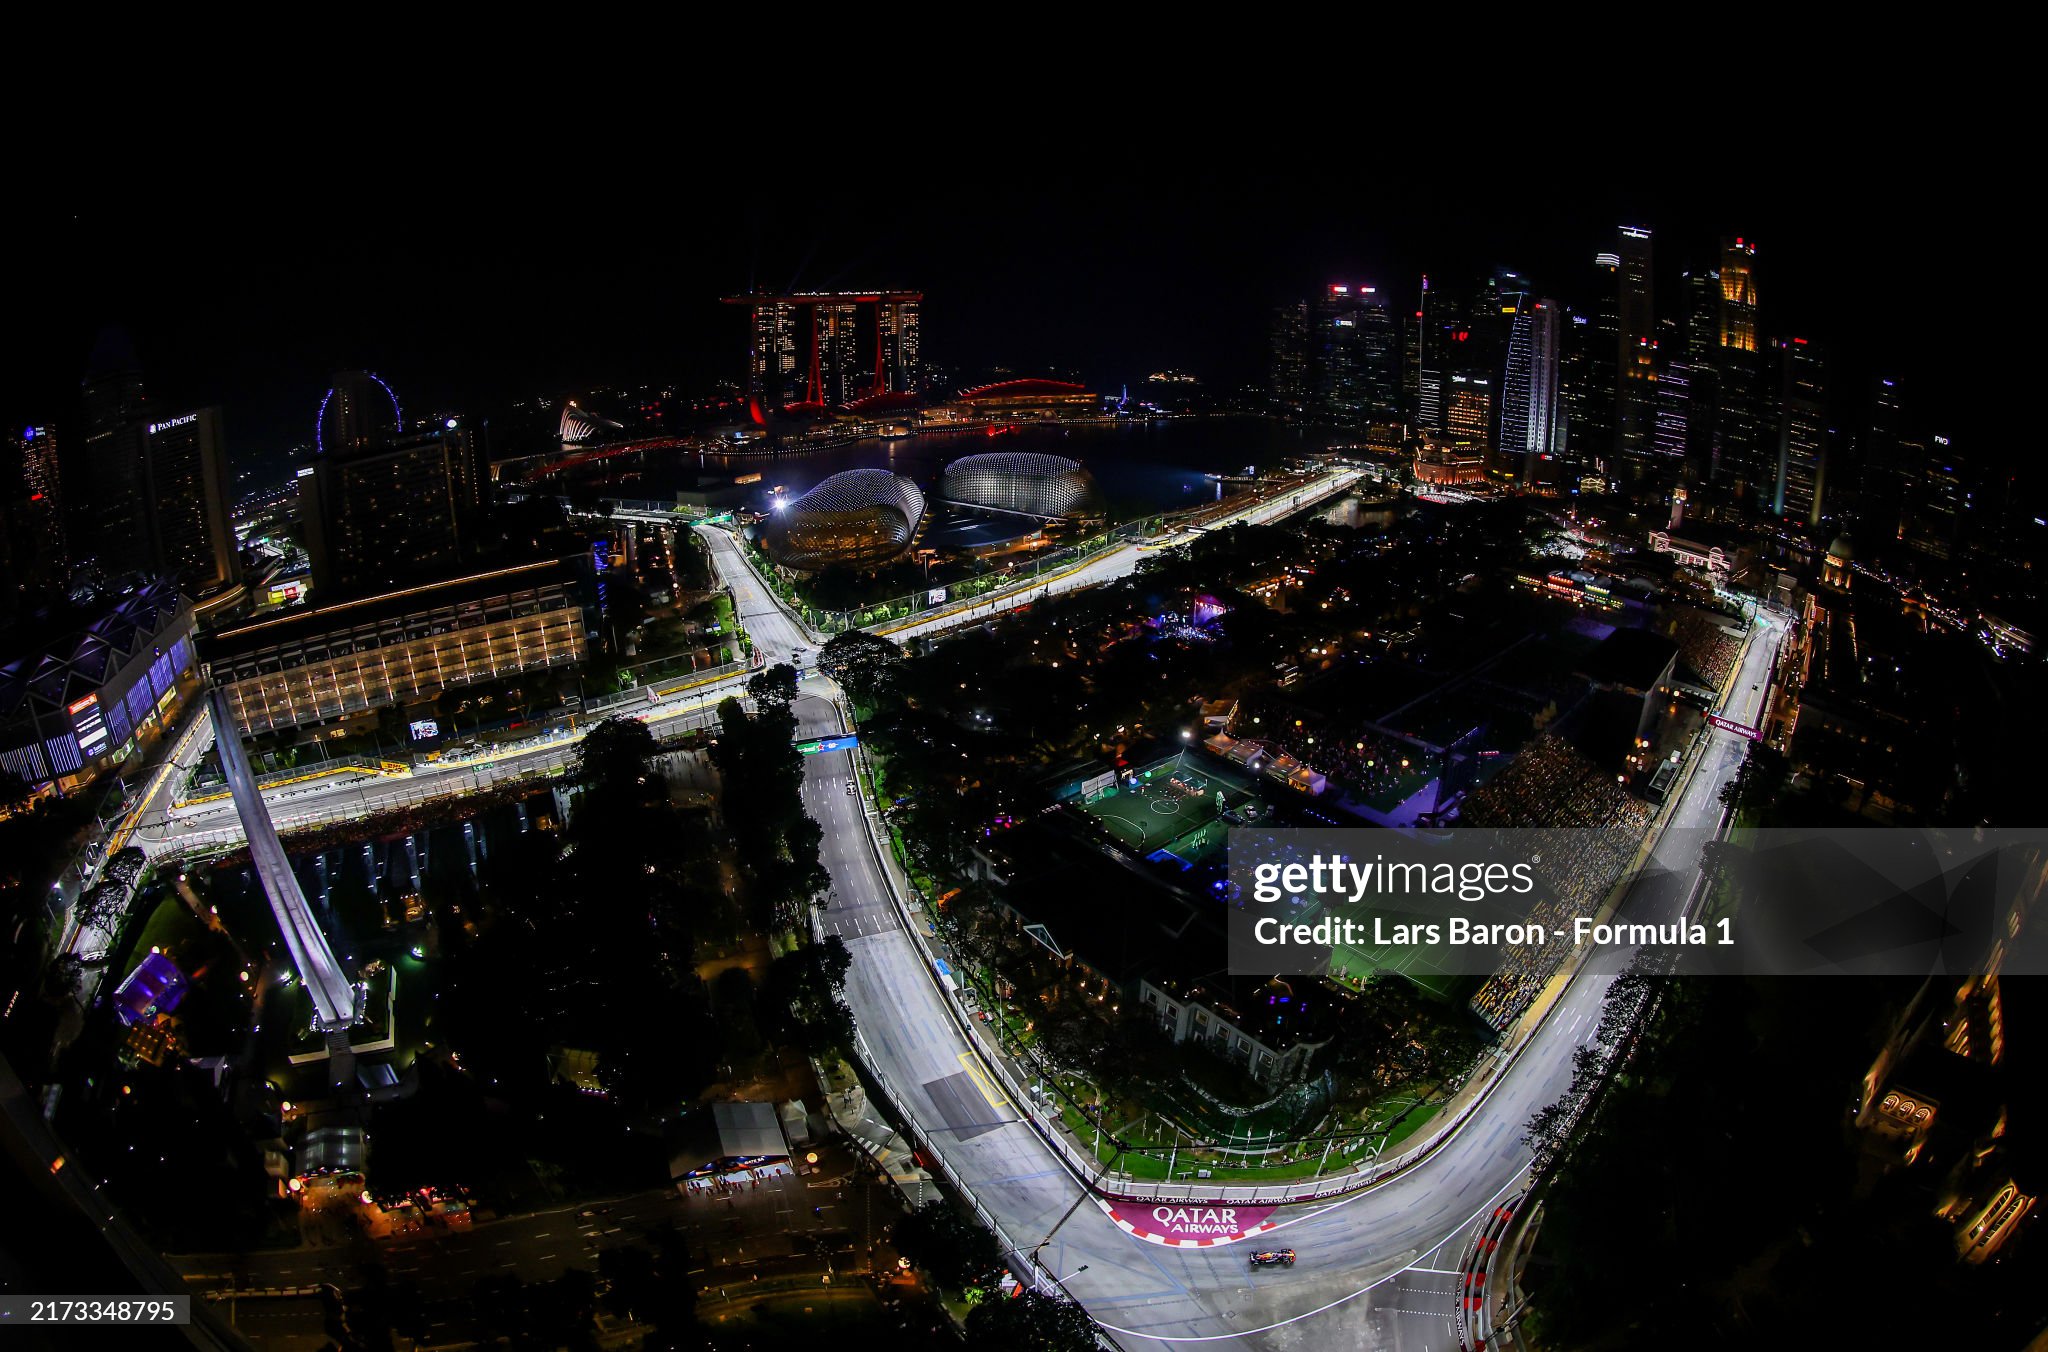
(89, 725)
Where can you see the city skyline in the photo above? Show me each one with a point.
(1153, 284)
(1133, 756)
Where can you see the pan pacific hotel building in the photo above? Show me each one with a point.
(401, 647)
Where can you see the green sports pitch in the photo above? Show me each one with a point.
(1174, 806)
(1351, 964)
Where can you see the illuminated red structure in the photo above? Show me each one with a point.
(1026, 399)
(808, 351)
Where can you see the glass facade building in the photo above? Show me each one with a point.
(858, 517)
(1023, 482)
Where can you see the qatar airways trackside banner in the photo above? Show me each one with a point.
(1189, 1223)
(1515, 906)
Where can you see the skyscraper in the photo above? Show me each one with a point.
(1354, 357)
(1801, 484)
(1337, 358)
(1445, 349)
(191, 538)
(386, 507)
(1287, 359)
(1743, 444)
(1737, 276)
(1940, 499)
(1881, 466)
(1411, 365)
(1636, 339)
(35, 492)
(1701, 323)
(1468, 411)
(900, 366)
(836, 368)
(1699, 352)
(1669, 437)
(1530, 426)
(831, 348)
(110, 510)
(1586, 389)
(773, 379)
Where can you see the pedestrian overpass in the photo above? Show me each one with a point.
(334, 995)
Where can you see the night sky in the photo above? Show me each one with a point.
(463, 293)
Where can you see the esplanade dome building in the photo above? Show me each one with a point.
(859, 517)
(1025, 482)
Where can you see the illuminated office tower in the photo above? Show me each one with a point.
(1881, 466)
(1801, 483)
(1699, 353)
(1411, 365)
(1287, 359)
(1444, 349)
(188, 491)
(1429, 381)
(1338, 355)
(35, 516)
(1354, 357)
(1672, 411)
(1744, 444)
(1701, 330)
(1586, 388)
(1337, 359)
(1468, 410)
(1737, 276)
(1635, 345)
(1529, 424)
(1501, 297)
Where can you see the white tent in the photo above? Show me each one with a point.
(748, 1129)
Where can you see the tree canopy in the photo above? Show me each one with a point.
(860, 662)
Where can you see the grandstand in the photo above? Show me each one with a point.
(1553, 785)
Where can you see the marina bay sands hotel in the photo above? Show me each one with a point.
(809, 351)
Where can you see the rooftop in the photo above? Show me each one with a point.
(1634, 659)
(317, 619)
(69, 653)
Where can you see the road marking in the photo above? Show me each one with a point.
(982, 1081)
